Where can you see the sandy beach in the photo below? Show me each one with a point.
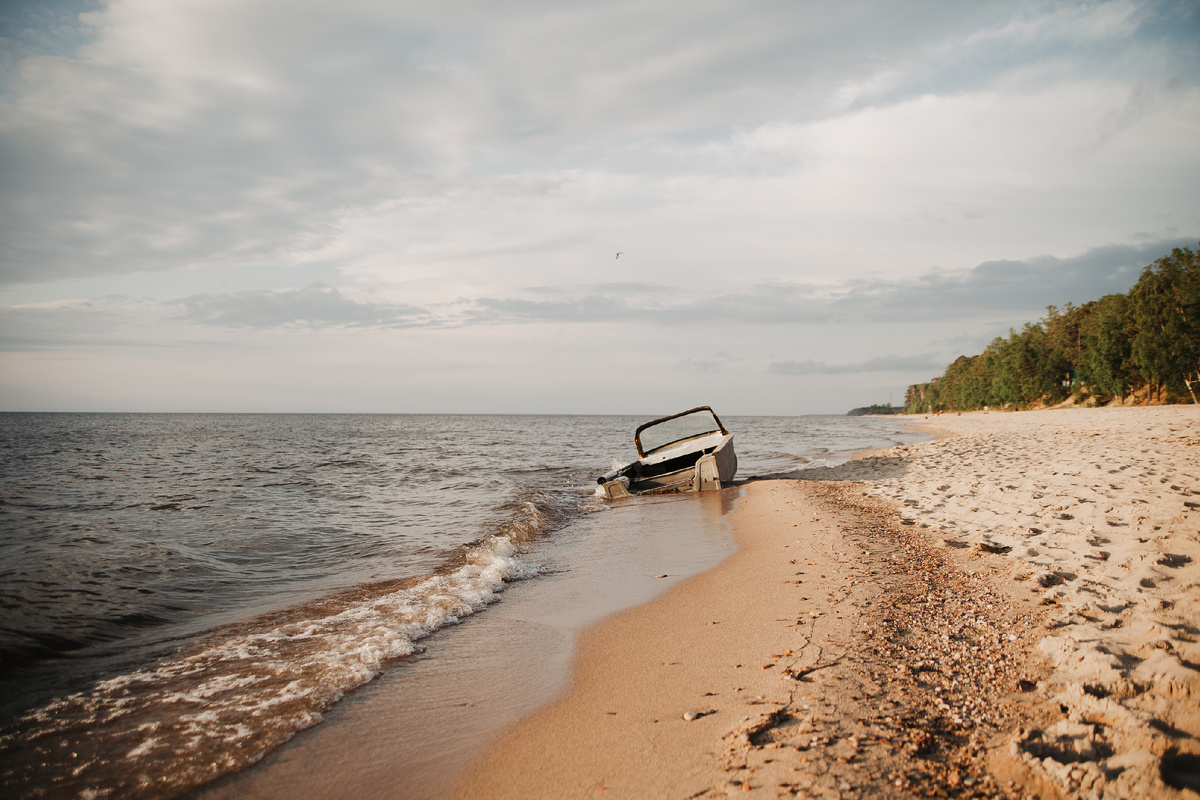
(1009, 610)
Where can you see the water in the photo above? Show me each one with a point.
(179, 594)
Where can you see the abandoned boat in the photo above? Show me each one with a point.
(686, 452)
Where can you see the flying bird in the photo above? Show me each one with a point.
(618, 255)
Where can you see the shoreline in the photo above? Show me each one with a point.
(416, 727)
(788, 655)
(937, 642)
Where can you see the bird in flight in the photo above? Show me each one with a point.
(618, 255)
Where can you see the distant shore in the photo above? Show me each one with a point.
(1009, 609)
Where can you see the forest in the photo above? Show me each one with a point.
(1140, 347)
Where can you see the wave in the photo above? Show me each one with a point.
(243, 690)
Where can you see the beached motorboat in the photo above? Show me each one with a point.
(686, 452)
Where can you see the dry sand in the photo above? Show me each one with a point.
(1013, 609)
(1098, 512)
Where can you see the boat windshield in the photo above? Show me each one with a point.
(690, 424)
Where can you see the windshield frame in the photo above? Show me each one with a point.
(637, 436)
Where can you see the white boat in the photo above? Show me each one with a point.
(686, 452)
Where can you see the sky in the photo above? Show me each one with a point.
(417, 207)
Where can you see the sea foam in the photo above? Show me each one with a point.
(239, 693)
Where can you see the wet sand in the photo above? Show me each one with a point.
(1009, 610)
(412, 731)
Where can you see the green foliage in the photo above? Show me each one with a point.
(1166, 318)
(1107, 364)
(875, 410)
(1145, 343)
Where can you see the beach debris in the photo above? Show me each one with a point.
(688, 716)
(998, 549)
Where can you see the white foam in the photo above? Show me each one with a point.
(226, 703)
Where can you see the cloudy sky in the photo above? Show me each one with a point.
(371, 205)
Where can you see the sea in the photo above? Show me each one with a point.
(180, 594)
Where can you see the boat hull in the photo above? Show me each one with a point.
(699, 472)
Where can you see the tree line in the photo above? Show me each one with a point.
(875, 410)
(1139, 347)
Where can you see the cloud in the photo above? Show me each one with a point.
(174, 135)
(118, 320)
(804, 181)
(704, 366)
(315, 306)
(883, 364)
(1008, 288)
(714, 363)
(1014, 290)
(92, 323)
